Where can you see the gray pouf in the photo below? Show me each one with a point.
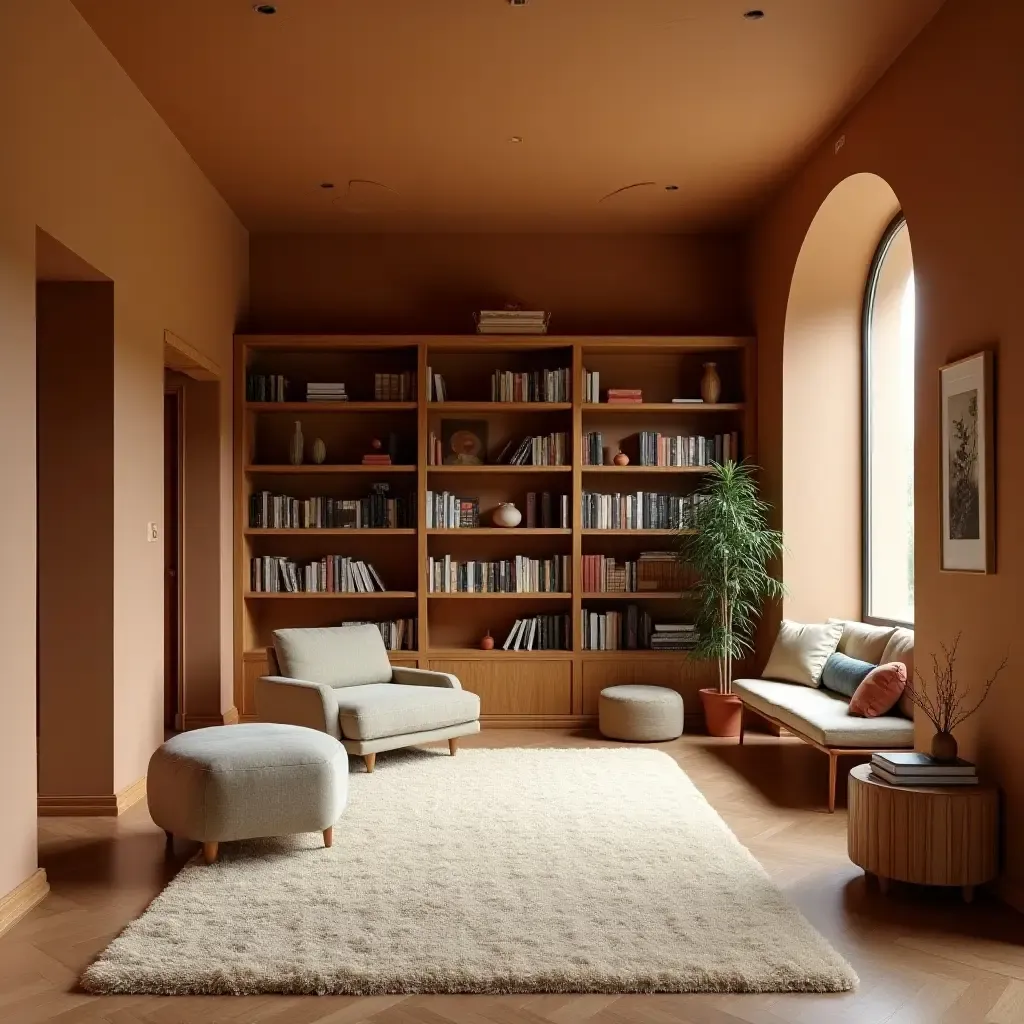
(640, 713)
(247, 782)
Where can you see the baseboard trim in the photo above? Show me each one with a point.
(20, 900)
(106, 805)
(229, 717)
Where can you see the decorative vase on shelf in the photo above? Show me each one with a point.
(944, 747)
(487, 642)
(507, 515)
(711, 384)
(622, 459)
(297, 446)
(319, 451)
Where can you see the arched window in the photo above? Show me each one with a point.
(888, 449)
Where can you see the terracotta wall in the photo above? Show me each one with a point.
(937, 128)
(601, 284)
(86, 159)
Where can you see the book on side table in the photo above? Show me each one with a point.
(915, 769)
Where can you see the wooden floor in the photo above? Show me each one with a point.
(922, 956)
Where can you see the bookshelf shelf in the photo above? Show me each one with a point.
(543, 687)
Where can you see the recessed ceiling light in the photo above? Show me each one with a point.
(264, 8)
(671, 188)
(327, 184)
(516, 138)
(517, 3)
(754, 15)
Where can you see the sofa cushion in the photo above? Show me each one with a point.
(901, 648)
(335, 655)
(880, 690)
(843, 675)
(394, 709)
(863, 641)
(801, 650)
(824, 717)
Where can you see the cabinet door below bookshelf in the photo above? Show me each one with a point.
(676, 671)
(529, 686)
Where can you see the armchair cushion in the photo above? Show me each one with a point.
(334, 655)
(394, 709)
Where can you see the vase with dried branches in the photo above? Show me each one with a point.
(949, 706)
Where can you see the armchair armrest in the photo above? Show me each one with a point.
(424, 677)
(297, 702)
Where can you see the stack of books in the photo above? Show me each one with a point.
(625, 396)
(378, 457)
(914, 769)
(326, 392)
(394, 387)
(674, 636)
(512, 321)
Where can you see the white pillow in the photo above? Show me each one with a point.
(863, 641)
(801, 650)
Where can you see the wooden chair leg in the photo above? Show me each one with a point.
(329, 837)
(832, 759)
(453, 746)
(371, 760)
(210, 852)
(743, 722)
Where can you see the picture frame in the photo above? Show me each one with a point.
(464, 442)
(967, 464)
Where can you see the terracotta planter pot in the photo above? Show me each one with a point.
(723, 712)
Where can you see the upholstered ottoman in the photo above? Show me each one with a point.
(640, 713)
(247, 781)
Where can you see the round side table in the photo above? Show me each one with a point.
(929, 835)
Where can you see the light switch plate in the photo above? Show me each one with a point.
(152, 532)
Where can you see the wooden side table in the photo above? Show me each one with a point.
(929, 835)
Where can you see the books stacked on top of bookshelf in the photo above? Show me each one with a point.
(914, 769)
(642, 510)
(326, 392)
(377, 456)
(437, 391)
(335, 574)
(518, 575)
(538, 633)
(447, 511)
(544, 504)
(674, 636)
(617, 631)
(533, 386)
(398, 634)
(512, 321)
(377, 511)
(539, 450)
(591, 386)
(657, 449)
(394, 387)
(261, 387)
(624, 396)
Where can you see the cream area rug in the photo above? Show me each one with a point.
(513, 870)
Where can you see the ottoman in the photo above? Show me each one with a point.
(640, 713)
(246, 782)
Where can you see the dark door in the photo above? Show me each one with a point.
(172, 558)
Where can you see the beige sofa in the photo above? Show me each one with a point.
(822, 718)
(339, 680)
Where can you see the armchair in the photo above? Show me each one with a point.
(338, 680)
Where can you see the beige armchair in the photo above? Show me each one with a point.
(338, 679)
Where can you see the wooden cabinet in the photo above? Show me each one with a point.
(527, 686)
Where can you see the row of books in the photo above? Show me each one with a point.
(539, 450)
(914, 769)
(266, 387)
(437, 390)
(531, 386)
(398, 634)
(539, 633)
(326, 392)
(447, 511)
(652, 572)
(336, 574)
(394, 387)
(674, 636)
(642, 510)
(627, 630)
(656, 449)
(377, 511)
(547, 511)
(518, 575)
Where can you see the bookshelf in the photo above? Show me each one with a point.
(517, 688)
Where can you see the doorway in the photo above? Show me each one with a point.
(173, 594)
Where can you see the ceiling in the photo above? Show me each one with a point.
(408, 106)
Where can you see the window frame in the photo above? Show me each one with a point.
(893, 228)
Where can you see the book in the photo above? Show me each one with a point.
(923, 780)
(914, 763)
(687, 401)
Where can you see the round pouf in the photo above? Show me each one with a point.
(640, 713)
(247, 782)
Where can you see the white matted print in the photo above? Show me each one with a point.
(967, 465)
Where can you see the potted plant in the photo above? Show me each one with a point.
(729, 551)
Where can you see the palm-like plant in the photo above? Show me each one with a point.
(730, 553)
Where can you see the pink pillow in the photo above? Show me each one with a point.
(879, 691)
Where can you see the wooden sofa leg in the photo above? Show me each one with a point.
(832, 759)
(743, 722)
(329, 837)
(210, 852)
(371, 760)
(453, 746)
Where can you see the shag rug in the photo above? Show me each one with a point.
(495, 871)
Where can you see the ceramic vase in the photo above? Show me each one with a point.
(507, 515)
(622, 459)
(319, 451)
(487, 642)
(710, 384)
(944, 746)
(297, 446)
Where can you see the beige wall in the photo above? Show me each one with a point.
(86, 159)
(937, 128)
(600, 284)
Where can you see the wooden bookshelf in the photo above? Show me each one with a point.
(517, 688)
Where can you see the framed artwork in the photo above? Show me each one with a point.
(967, 470)
(464, 442)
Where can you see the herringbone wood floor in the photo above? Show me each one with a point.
(922, 956)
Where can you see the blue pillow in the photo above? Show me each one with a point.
(843, 675)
